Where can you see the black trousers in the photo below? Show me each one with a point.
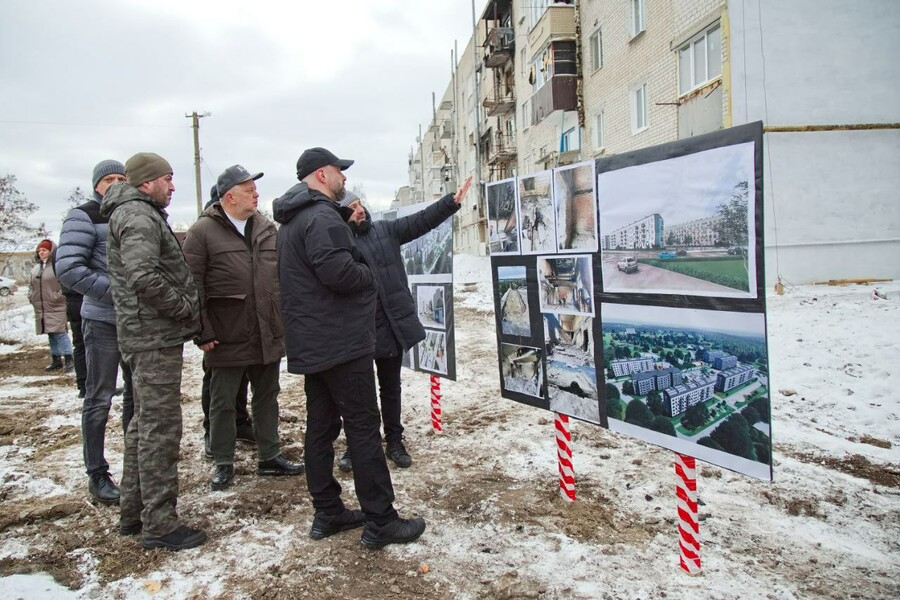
(241, 416)
(389, 392)
(347, 392)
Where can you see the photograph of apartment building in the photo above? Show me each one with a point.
(695, 191)
(676, 376)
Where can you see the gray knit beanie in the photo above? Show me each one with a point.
(146, 166)
(104, 168)
(348, 199)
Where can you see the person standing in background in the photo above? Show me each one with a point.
(49, 304)
(82, 267)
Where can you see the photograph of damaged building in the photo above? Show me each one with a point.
(566, 284)
(514, 316)
(522, 369)
(503, 223)
(538, 217)
(576, 207)
(431, 254)
(571, 370)
(430, 305)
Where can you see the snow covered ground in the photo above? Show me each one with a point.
(827, 527)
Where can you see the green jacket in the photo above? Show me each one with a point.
(156, 300)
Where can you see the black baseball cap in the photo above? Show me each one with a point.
(316, 158)
(232, 176)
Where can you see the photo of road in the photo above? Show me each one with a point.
(650, 278)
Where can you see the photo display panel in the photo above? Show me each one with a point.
(428, 262)
(647, 316)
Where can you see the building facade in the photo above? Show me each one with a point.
(543, 84)
(659, 380)
(627, 366)
(643, 234)
(678, 399)
(733, 377)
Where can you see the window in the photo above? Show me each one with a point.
(639, 109)
(596, 42)
(637, 17)
(570, 140)
(700, 60)
(599, 126)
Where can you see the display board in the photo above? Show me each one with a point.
(628, 293)
(428, 262)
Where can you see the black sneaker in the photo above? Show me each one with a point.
(325, 525)
(398, 531)
(244, 433)
(345, 464)
(222, 477)
(103, 489)
(279, 466)
(181, 539)
(206, 451)
(130, 528)
(396, 451)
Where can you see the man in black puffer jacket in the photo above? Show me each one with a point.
(328, 303)
(397, 326)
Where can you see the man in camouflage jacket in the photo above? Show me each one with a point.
(157, 309)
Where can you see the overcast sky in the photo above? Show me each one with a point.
(95, 79)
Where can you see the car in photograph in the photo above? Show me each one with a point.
(737, 251)
(666, 255)
(628, 265)
(7, 286)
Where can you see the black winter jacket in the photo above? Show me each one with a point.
(327, 291)
(396, 319)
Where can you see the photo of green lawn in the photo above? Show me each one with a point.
(728, 271)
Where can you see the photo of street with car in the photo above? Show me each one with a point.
(695, 377)
(681, 226)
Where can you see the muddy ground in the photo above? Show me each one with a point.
(497, 527)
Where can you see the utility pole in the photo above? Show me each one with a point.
(195, 124)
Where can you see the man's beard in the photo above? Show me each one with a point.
(360, 228)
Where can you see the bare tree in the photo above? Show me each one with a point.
(14, 212)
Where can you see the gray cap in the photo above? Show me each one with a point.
(348, 199)
(104, 168)
(232, 176)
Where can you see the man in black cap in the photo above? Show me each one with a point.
(328, 303)
(231, 253)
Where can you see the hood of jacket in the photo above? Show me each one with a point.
(120, 193)
(299, 197)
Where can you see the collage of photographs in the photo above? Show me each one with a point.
(428, 262)
(628, 295)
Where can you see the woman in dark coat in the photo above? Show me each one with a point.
(49, 304)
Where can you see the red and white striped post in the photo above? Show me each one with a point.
(564, 454)
(436, 422)
(688, 524)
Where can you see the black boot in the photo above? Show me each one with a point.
(103, 489)
(69, 364)
(55, 364)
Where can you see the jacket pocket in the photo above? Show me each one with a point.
(228, 316)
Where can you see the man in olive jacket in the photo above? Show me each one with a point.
(328, 303)
(157, 309)
(232, 255)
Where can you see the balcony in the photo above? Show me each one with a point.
(499, 47)
(499, 148)
(557, 22)
(557, 94)
(497, 104)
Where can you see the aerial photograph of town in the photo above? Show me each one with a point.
(699, 376)
(683, 225)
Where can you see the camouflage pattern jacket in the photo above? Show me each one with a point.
(156, 300)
